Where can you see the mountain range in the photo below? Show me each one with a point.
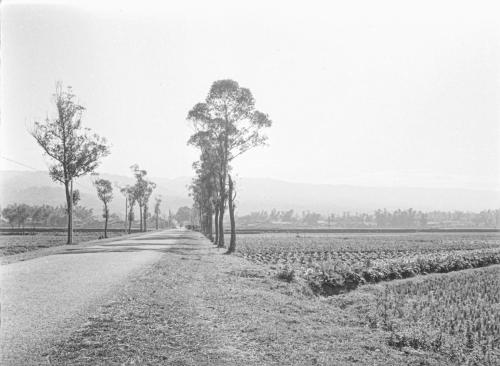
(254, 194)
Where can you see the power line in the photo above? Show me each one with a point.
(35, 169)
(18, 163)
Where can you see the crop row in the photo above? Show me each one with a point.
(456, 314)
(335, 264)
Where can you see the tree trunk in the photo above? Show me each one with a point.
(106, 221)
(216, 222)
(209, 226)
(232, 242)
(144, 217)
(221, 225)
(68, 186)
(157, 221)
(130, 219)
(222, 208)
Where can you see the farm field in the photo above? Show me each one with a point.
(455, 314)
(15, 244)
(333, 263)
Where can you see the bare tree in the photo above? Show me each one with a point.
(72, 147)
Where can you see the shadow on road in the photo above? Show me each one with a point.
(164, 242)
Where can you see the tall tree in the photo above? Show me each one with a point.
(131, 198)
(105, 194)
(150, 186)
(204, 191)
(74, 150)
(143, 189)
(229, 122)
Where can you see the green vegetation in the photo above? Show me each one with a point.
(226, 125)
(334, 264)
(455, 314)
(73, 149)
(22, 216)
(138, 193)
(105, 193)
(405, 219)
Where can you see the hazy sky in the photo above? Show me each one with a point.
(365, 93)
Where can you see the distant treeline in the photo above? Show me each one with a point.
(23, 215)
(20, 215)
(379, 219)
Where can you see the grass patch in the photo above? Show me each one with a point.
(196, 311)
(286, 274)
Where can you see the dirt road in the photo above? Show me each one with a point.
(45, 299)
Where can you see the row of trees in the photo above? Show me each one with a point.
(46, 216)
(380, 218)
(75, 152)
(140, 193)
(226, 125)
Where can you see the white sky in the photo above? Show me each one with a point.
(366, 93)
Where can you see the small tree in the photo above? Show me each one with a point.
(105, 194)
(17, 214)
(183, 215)
(10, 213)
(74, 149)
(157, 209)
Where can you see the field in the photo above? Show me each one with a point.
(456, 314)
(15, 244)
(334, 263)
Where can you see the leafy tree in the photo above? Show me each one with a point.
(204, 191)
(157, 209)
(74, 150)
(84, 215)
(130, 198)
(105, 193)
(183, 215)
(230, 124)
(142, 189)
(10, 213)
(36, 215)
(17, 214)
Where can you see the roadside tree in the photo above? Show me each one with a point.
(232, 125)
(105, 193)
(74, 150)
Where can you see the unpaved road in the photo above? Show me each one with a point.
(45, 299)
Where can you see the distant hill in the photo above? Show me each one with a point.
(255, 194)
(38, 188)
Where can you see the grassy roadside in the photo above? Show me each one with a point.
(201, 307)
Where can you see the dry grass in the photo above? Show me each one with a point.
(204, 308)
